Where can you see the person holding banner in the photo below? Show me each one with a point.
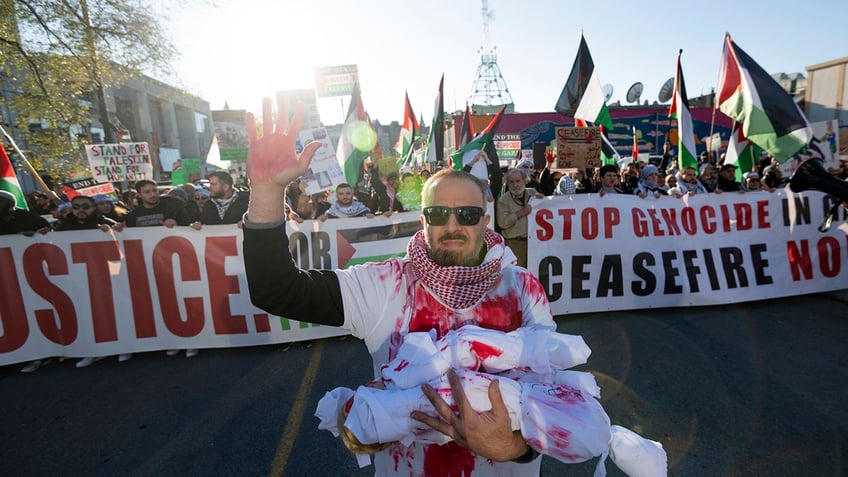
(513, 208)
(225, 205)
(608, 183)
(84, 216)
(457, 271)
(647, 184)
(19, 221)
(687, 184)
(152, 209)
(346, 206)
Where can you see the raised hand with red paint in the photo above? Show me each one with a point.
(272, 162)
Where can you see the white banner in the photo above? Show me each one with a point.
(92, 293)
(619, 252)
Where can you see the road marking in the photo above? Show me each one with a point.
(284, 447)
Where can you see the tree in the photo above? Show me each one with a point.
(60, 56)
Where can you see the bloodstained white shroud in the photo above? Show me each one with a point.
(556, 410)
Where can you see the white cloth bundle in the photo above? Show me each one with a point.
(379, 415)
(555, 419)
(329, 407)
(563, 422)
(637, 456)
(421, 359)
(557, 410)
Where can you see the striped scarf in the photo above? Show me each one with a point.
(223, 204)
(457, 286)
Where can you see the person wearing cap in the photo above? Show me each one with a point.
(648, 185)
(107, 208)
(19, 221)
(752, 181)
(727, 179)
(201, 195)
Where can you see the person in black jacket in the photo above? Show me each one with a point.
(84, 216)
(19, 221)
(153, 210)
(225, 205)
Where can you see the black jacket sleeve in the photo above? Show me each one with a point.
(278, 286)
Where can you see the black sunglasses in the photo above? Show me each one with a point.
(465, 215)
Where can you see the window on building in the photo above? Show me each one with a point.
(201, 121)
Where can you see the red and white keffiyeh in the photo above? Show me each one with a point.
(458, 286)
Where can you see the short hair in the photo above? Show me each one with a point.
(522, 171)
(222, 176)
(344, 185)
(608, 168)
(448, 173)
(143, 182)
(84, 197)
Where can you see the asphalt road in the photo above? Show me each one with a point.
(752, 389)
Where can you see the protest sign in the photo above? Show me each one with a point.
(87, 186)
(578, 148)
(335, 80)
(119, 162)
(324, 171)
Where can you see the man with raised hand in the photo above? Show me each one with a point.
(456, 272)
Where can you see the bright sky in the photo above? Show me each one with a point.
(244, 50)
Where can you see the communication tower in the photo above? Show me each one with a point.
(489, 91)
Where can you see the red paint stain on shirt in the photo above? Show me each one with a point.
(428, 314)
(403, 363)
(449, 460)
(501, 313)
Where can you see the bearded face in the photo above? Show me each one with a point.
(453, 243)
(516, 183)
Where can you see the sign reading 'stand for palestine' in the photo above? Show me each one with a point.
(119, 162)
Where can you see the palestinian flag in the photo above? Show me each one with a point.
(408, 131)
(466, 134)
(685, 131)
(436, 140)
(466, 153)
(377, 151)
(9, 181)
(769, 116)
(582, 96)
(608, 153)
(349, 152)
(740, 152)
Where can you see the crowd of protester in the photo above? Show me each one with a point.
(375, 193)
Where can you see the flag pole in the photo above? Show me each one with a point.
(31, 169)
(712, 126)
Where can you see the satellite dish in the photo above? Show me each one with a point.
(667, 90)
(607, 88)
(634, 92)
